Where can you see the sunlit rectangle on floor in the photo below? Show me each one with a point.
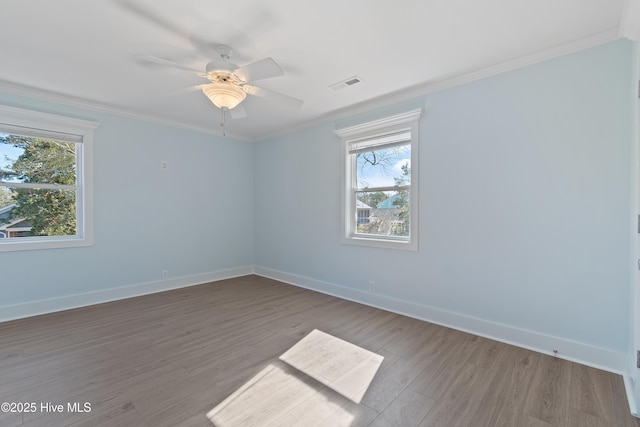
(308, 386)
(279, 395)
(338, 364)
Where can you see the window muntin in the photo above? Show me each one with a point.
(379, 199)
(45, 180)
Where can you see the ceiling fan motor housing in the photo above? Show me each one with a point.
(219, 71)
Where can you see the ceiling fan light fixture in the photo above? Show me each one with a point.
(224, 95)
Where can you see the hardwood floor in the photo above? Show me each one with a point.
(169, 359)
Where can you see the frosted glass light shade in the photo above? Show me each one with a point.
(224, 95)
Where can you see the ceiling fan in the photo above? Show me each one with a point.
(228, 84)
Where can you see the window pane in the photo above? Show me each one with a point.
(6, 199)
(382, 213)
(28, 212)
(385, 167)
(38, 212)
(8, 155)
(34, 160)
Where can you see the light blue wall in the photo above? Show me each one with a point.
(524, 202)
(196, 217)
(524, 211)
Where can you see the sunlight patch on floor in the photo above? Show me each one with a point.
(338, 364)
(321, 372)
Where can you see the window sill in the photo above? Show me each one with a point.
(406, 245)
(13, 245)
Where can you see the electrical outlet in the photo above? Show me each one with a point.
(372, 286)
(164, 165)
(165, 274)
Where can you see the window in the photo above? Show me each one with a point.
(45, 180)
(380, 200)
(363, 213)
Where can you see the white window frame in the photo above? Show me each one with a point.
(388, 125)
(81, 130)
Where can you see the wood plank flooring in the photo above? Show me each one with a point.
(168, 359)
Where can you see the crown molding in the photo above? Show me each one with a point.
(457, 80)
(630, 20)
(71, 101)
(22, 117)
(524, 61)
(629, 25)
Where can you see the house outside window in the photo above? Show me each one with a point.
(45, 180)
(363, 212)
(380, 197)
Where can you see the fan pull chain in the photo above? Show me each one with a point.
(222, 110)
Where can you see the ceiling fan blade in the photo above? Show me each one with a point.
(205, 47)
(156, 60)
(273, 96)
(262, 69)
(150, 15)
(238, 112)
(196, 88)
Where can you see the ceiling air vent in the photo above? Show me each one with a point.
(348, 82)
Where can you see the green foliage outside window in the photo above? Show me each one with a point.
(50, 212)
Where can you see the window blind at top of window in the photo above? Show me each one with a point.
(389, 140)
(39, 133)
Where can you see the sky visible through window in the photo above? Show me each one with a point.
(379, 168)
(8, 154)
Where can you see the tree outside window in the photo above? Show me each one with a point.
(48, 211)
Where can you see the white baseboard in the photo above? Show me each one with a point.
(596, 357)
(34, 308)
(631, 395)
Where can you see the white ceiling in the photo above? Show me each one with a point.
(89, 53)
